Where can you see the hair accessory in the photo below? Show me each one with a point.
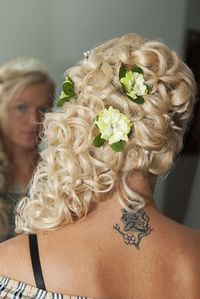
(78, 182)
(114, 127)
(133, 84)
(87, 54)
(67, 93)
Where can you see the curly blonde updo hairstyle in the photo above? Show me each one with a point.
(73, 174)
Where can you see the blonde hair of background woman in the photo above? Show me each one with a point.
(73, 175)
(15, 76)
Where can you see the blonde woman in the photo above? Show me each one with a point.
(26, 92)
(92, 223)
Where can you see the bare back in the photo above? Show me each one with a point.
(102, 257)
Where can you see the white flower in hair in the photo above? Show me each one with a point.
(114, 127)
(134, 84)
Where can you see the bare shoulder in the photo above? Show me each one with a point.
(185, 239)
(15, 257)
(195, 237)
(182, 248)
(12, 248)
(188, 266)
(186, 236)
(191, 243)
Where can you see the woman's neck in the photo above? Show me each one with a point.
(143, 184)
(22, 163)
(22, 158)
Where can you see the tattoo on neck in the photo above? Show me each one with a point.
(135, 227)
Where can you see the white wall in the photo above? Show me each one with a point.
(58, 32)
(80, 24)
(25, 30)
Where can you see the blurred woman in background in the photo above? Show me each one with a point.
(26, 92)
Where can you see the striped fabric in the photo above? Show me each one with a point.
(13, 289)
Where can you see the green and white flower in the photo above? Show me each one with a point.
(133, 84)
(67, 93)
(114, 127)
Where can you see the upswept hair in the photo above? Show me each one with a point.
(73, 174)
(15, 76)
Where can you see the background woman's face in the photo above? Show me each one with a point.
(23, 112)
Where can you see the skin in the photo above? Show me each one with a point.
(20, 129)
(90, 258)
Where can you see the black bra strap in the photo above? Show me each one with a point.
(35, 259)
